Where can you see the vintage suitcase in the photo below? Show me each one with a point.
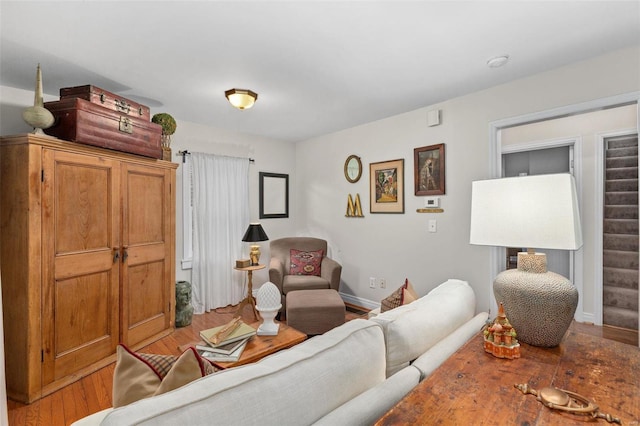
(81, 121)
(106, 99)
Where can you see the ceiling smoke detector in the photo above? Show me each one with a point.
(498, 61)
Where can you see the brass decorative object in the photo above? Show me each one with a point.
(354, 209)
(564, 400)
(226, 330)
(430, 210)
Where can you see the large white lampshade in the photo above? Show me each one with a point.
(538, 211)
(530, 211)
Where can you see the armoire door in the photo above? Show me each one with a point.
(147, 282)
(80, 238)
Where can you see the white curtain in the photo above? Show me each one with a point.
(220, 218)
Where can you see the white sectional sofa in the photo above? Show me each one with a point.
(350, 375)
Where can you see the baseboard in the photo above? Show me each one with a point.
(588, 318)
(358, 301)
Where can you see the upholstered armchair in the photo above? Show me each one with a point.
(290, 275)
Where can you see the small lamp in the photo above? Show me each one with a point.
(531, 211)
(269, 303)
(241, 98)
(254, 234)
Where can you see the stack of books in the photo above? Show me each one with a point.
(225, 343)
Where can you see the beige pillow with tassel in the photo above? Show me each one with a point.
(139, 376)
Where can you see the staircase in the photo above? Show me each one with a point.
(620, 239)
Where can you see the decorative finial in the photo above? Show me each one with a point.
(38, 116)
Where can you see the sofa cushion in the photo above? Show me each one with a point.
(303, 282)
(305, 262)
(410, 330)
(138, 376)
(292, 387)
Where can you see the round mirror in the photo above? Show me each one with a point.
(353, 168)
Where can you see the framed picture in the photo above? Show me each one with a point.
(274, 195)
(386, 187)
(428, 170)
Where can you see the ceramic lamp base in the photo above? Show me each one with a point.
(254, 254)
(540, 306)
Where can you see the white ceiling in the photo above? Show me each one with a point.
(317, 66)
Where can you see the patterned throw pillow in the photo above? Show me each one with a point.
(404, 295)
(139, 376)
(305, 262)
(408, 293)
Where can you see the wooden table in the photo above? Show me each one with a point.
(474, 387)
(260, 346)
(249, 300)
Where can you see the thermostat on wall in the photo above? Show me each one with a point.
(432, 202)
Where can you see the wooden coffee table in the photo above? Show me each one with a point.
(474, 387)
(260, 346)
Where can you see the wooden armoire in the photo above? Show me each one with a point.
(87, 255)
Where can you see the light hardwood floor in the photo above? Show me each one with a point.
(93, 393)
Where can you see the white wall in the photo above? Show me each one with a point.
(395, 246)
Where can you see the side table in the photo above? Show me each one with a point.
(249, 299)
(474, 387)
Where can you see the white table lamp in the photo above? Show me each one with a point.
(532, 211)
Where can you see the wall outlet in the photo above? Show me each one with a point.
(383, 283)
(372, 282)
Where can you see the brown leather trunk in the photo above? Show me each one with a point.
(81, 121)
(106, 99)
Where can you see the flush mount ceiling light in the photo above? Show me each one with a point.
(241, 98)
(498, 61)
